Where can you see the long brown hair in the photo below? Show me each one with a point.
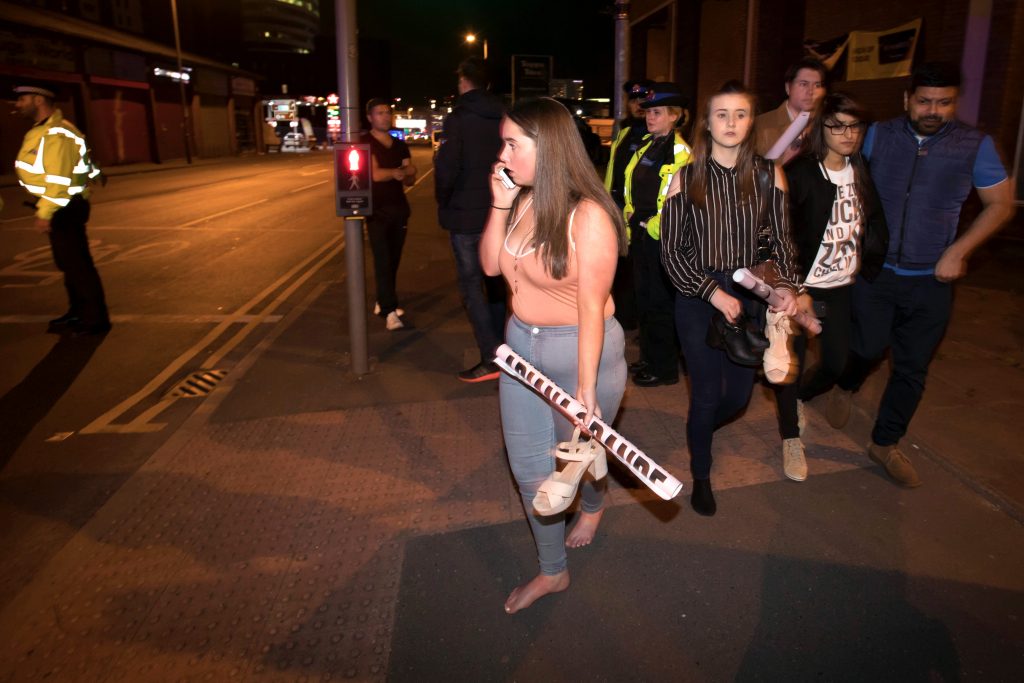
(697, 188)
(814, 142)
(564, 176)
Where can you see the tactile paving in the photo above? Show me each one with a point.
(272, 549)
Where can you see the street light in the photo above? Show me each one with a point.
(471, 38)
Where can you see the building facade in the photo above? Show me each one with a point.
(702, 43)
(123, 89)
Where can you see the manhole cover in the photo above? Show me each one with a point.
(198, 384)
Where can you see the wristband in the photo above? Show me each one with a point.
(501, 208)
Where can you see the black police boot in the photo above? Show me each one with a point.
(732, 338)
(755, 336)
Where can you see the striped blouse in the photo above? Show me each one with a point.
(722, 236)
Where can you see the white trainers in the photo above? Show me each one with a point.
(376, 309)
(793, 462)
(393, 322)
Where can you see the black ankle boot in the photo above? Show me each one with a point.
(755, 336)
(732, 338)
(702, 500)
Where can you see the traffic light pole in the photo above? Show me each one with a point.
(348, 91)
(355, 267)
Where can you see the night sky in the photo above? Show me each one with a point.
(425, 41)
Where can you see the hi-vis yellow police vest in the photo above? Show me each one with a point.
(611, 157)
(680, 157)
(54, 164)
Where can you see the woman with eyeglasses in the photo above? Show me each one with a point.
(711, 226)
(840, 233)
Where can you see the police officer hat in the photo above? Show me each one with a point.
(637, 89)
(664, 95)
(34, 89)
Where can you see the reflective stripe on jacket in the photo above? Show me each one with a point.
(623, 134)
(54, 164)
(680, 157)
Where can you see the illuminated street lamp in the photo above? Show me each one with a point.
(471, 38)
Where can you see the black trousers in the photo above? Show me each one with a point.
(387, 231)
(908, 314)
(655, 307)
(70, 247)
(719, 388)
(623, 293)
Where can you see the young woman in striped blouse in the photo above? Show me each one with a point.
(709, 228)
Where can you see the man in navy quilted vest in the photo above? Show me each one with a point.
(924, 166)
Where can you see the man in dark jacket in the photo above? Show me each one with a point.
(472, 139)
(924, 165)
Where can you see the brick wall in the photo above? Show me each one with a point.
(723, 29)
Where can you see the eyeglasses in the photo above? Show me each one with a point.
(842, 128)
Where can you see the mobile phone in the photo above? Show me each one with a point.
(505, 180)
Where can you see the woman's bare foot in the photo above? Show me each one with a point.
(583, 532)
(523, 596)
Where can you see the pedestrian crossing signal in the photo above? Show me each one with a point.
(352, 175)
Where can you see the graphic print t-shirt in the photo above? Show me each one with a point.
(837, 260)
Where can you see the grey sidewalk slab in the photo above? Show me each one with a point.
(782, 585)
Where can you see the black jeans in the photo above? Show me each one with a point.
(387, 231)
(833, 351)
(70, 247)
(655, 295)
(908, 314)
(719, 389)
(482, 296)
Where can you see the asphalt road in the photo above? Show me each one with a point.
(199, 264)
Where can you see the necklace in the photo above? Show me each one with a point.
(520, 251)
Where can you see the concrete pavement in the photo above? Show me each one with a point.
(307, 524)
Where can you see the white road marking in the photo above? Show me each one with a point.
(214, 358)
(105, 423)
(322, 170)
(306, 187)
(419, 180)
(222, 213)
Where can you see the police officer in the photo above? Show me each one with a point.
(55, 167)
(632, 130)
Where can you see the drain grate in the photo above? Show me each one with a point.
(198, 384)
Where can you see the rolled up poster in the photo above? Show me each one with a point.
(744, 277)
(636, 461)
(788, 136)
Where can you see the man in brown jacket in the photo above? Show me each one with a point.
(805, 88)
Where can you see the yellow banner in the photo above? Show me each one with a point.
(882, 54)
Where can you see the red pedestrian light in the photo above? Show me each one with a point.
(353, 181)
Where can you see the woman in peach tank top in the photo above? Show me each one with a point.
(556, 237)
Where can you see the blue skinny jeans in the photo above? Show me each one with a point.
(532, 427)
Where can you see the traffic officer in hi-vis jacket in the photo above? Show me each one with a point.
(55, 167)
